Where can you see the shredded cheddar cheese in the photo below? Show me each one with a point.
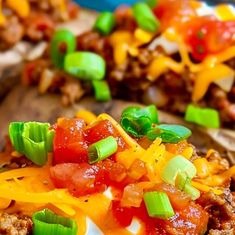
(86, 115)
(21, 7)
(225, 12)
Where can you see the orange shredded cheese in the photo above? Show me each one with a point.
(131, 142)
(207, 76)
(86, 115)
(21, 7)
(206, 188)
(225, 12)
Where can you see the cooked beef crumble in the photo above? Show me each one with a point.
(221, 210)
(14, 224)
(38, 25)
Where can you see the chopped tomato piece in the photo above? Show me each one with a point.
(69, 141)
(177, 198)
(123, 215)
(190, 220)
(207, 35)
(79, 179)
(172, 13)
(103, 129)
(82, 179)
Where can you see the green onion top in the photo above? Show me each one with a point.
(62, 43)
(191, 191)
(138, 121)
(152, 3)
(46, 222)
(206, 117)
(176, 165)
(85, 65)
(158, 205)
(33, 139)
(102, 91)
(169, 133)
(105, 23)
(181, 180)
(102, 149)
(145, 17)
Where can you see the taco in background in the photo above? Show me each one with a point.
(174, 54)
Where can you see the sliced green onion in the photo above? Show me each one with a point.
(15, 133)
(176, 165)
(62, 43)
(105, 23)
(47, 222)
(152, 3)
(33, 139)
(145, 17)
(206, 117)
(102, 91)
(158, 205)
(193, 192)
(138, 121)
(102, 149)
(181, 180)
(85, 65)
(169, 133)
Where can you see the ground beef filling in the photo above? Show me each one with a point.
(221, 210)
(14, 224)
(39, 25)
(171, 92)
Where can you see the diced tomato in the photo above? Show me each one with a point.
(173, 12)
(79, 179)
(177, 198)
(102, 130)
(207, 35)
(191, 220)
(123, 215)
(82, 179)
(69, 141)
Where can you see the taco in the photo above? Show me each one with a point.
(92, 175)
(32, 20)
(174, 54)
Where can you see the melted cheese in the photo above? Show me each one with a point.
(224, 12)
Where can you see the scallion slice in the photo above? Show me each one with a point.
(62, 43)
(47, 222)
(105, 23)
(206, 117)
(102, 149)
(15, 133)
(138, 121)
(176, 165)
(193, 192)
(145, 17)
(169, 133)
(85, 65)
(181, 180)
(152, 3)
(158, 205)
(33, 139)
(102, 91)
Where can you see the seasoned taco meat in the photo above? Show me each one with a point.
(14, 224)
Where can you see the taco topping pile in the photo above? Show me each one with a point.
(136, 177)
(32, 20)
(173, 53)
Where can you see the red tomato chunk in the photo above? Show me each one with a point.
(69, 141)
